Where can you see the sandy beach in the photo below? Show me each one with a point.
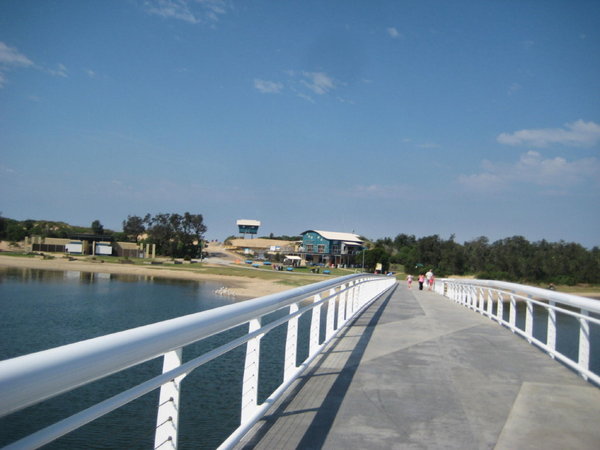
(240, 287)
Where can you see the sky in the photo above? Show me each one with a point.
(465, 118)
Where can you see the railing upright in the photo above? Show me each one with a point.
(584, 343)
(251, 370)
(331, 306)
(291, 344)
(551, 327)
(500, 309)
(167, 417)
(343, 298)
(529, 319)
(315, 327)
(513, 313)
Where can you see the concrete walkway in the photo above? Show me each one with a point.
(417, 371)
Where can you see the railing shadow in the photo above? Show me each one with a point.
(317, 431)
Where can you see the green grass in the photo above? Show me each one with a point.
(19, 254)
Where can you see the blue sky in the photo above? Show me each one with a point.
(473, 118)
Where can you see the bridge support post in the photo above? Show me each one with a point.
(167, 417)
(250, 380)
(341, 318)
(315, 327)
(500, 310)
(551, 333)
(291, 345)
(584, 344)
(331, 306)
(529, 320)
(513, 313)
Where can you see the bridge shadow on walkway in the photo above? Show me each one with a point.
(415, 370)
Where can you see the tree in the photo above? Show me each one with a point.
(97, 227)
(175, 235)
(133, 227)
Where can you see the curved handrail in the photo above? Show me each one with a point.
(30, 379)
(550, 295)
(483, 295)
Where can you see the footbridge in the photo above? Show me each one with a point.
(364, 362)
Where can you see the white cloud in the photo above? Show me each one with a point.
(60, 71)
(11, 58)
(579, 133)
(318, 82)
(268, 87)
(191, 11)
(533, 169)
(393, 33)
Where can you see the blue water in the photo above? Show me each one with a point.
(45, 309)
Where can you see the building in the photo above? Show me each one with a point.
(248, 226)
(89, 244)
(260, 248)
(330, 247)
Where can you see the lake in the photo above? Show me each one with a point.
(45, 309)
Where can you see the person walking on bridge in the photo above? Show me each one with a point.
(421, 281)
(430, 279)
(409, 279)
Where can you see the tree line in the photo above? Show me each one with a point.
(175, 235)
(510, 259)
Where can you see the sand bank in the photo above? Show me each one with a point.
(241, 287)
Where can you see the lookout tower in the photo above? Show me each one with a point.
(248, 227)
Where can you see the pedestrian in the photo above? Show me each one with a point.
(409, 279)
(421, 281)
(429, 276)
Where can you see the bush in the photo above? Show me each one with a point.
(495, 275)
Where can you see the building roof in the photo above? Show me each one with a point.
(337, 236)
(260, 243)
(250, 223)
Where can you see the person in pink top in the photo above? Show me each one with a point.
(409, 279)
(421, 281)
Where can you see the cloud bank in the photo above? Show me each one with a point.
(579, 133)
(533, 169)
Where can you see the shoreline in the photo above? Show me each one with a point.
(241, 288)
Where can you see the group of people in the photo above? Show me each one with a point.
(427, 279)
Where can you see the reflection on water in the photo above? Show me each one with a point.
(45, 309)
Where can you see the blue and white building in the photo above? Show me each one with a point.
(330, 247)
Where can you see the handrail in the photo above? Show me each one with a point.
(30, 379)
(488, 297)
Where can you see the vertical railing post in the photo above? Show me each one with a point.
(500, 309)
(167, 417)
(250, 378)
(551, 333)
(358, 292)
(291, 344)
(341, 318)
(331, 306)
(584, 344)
(529, 320)
(315, 327)
(490, 303)
(512, 320)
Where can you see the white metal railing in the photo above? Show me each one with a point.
(489, 298)
(30, 379)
